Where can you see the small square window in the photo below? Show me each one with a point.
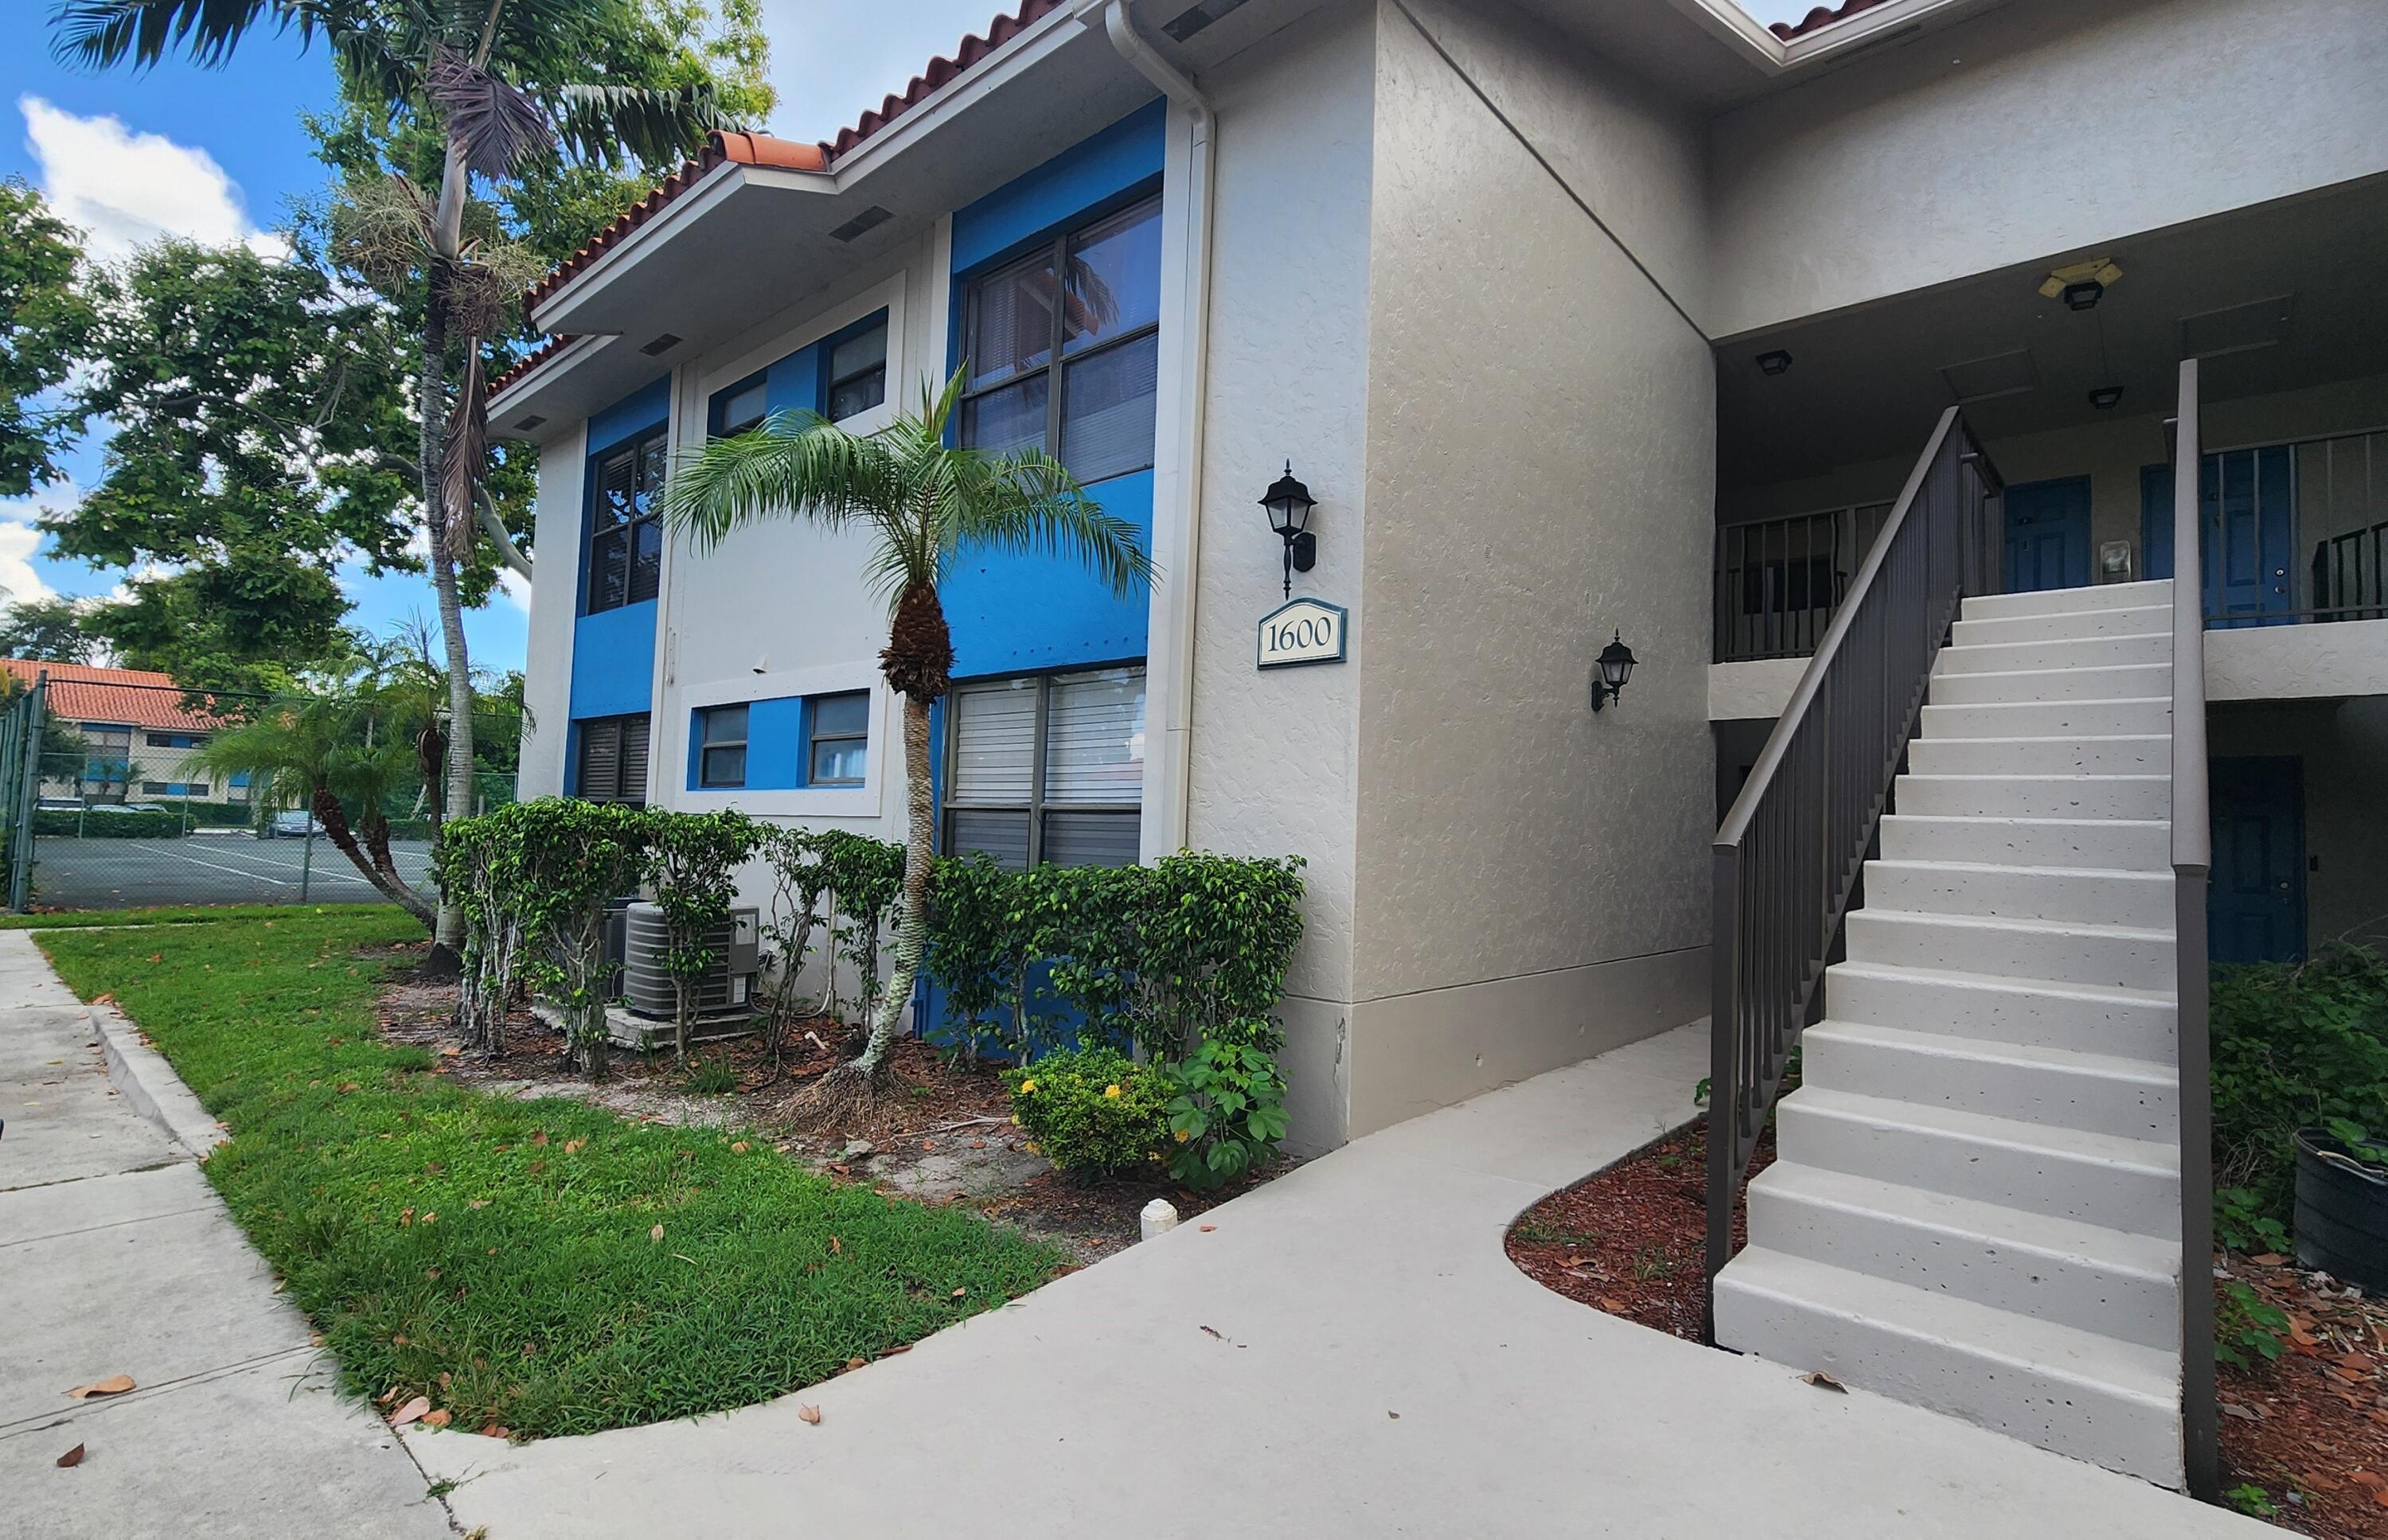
(839, 738)
(743, 409)
(858, 374)
(721, 758)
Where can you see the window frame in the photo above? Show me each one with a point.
(718, 406)
(814, 735)
(707, 744)
(619, 725)
(1037, 808)
(881, 321)
(1057, 361)
(653, 440)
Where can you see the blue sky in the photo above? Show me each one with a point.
(218, 154)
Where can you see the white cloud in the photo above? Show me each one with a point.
(19, 580)
(125, 188)
(830, 64)
(515, 587)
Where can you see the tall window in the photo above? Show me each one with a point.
(626, 537)
(721, 752)
(1065, 349)
(613, 763)
(1047, 769)
(856, 373)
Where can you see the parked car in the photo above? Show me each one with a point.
(129, 807)
(58, 804)
(297, 824)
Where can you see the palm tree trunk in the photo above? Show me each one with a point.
(912, 930)
(327, 811)
(431, 401)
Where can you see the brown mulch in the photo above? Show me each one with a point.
(1632, 1240)
(954, 1118)
(2311, 1428)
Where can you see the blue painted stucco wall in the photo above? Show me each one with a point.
(1012, 613)
(614, 652)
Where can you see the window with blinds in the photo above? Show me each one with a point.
(626, 532)
(613, 760)
(1049, 769)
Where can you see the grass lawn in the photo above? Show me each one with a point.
(182, 914)
(544, 1266)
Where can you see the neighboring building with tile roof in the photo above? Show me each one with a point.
(138, 726)
(1587, 324)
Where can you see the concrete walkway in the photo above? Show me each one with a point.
(1348, 1351)
(116, 1257)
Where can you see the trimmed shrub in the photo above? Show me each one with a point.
(1095, 1111)
(111, 824)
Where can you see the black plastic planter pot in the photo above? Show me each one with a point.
(2341, 1213)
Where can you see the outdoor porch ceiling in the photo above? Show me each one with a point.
(1867, 385)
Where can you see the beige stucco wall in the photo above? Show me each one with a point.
(1531, 881)
(1274, 757)
(2039, 127)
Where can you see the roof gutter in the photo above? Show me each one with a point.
(1181, 536)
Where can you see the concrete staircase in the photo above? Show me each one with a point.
(1976, 1205)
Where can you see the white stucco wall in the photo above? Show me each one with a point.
(1531, 877)
(547, 663)
(1275, 757)
(2038, 127)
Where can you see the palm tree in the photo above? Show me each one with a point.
(502, 84)
(923, 501)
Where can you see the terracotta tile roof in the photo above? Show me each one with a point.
(1820, 17)
(757, 149)
(527, 362)
(137, 697)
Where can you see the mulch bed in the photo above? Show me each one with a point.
(2311, 1428)
(932, 1109)
(1632, 1240)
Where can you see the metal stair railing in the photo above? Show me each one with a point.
(1789, 852)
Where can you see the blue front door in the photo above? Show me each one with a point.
(2256, 906)
(2248, 507)
(2048, 535)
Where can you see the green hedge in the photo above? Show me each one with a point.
(2293, 1045)
(97, 825)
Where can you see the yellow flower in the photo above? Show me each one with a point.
(1182, 1136)
(1111, 1093)
(1026, 1087)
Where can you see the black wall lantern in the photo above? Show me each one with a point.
(1289, 503)
(1609, 675)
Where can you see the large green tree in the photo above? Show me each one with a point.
(49, 630)
(921, 501)
(262, 438)
(43, 319)
(452, 95)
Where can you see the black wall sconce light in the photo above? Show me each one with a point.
(1289, 503)
(1612, 670)
(1776, 361)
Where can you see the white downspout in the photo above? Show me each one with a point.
(1178, 729)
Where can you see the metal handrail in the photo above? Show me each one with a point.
(1789, 853)
(2193, 858)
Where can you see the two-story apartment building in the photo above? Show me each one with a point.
(1629, 321)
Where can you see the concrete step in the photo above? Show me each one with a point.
(1981, 796)
(2084, 1276)
(2111, 844)
(2087, 894)
(2100, 1179)
(2057, 1087)
(2124, 681)
(2129, 754)
(2101, 955)
(2132, 1024)
(2138, 620)
(2142, 715)
(2066, 601)
(2008, 657)
(2075, 1392)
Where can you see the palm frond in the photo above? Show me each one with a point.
(795, 463)
(99, 34)
(1028, 503)
(607, 125)
(466, 457)
(498, 126)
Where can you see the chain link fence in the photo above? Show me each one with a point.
(116, 795)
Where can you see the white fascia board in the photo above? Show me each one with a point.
(713, 189)
(519, 391)
(990, 75)
(1775, 58)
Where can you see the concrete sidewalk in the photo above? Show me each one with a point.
(116, 1257)
(1348, 1351)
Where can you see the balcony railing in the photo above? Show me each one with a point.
(1779, 581)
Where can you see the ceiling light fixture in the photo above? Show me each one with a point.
(1774, 362)
(2104, 397)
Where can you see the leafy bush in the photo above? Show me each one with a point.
(1094, 1110)
(2245, 1324)
(106, 823)
(1226, 1112)
(2293, 1047)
